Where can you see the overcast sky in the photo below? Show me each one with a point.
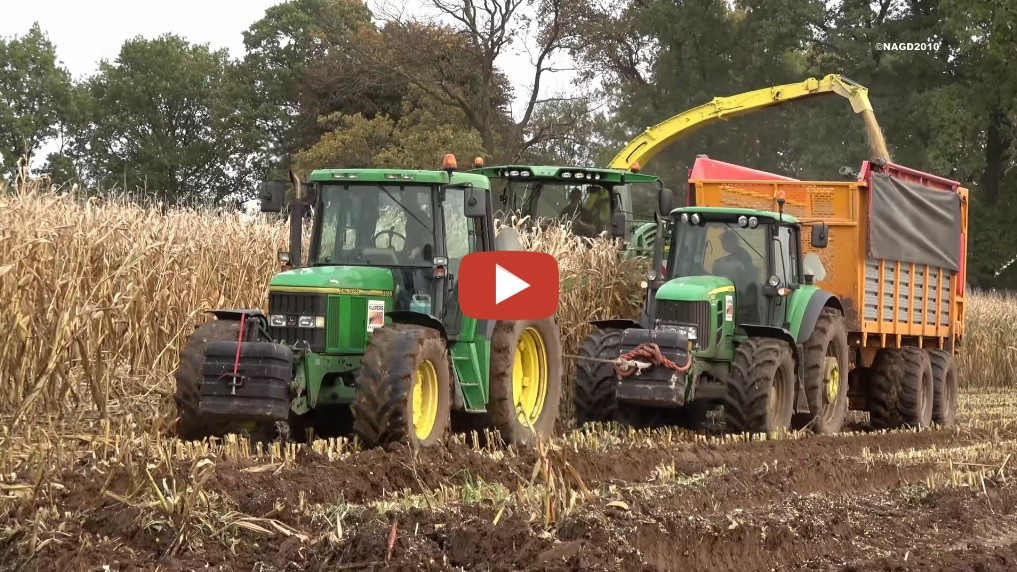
(86, 31)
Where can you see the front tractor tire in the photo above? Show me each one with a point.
(526, 379)
(760, 396)
(901, 389)
(191, 425)
(594, 385)
(826, 369)
(403, 388)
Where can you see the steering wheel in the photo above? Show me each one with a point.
(390, 232)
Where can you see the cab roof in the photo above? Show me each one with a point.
(734, 212)
(564, 173)
(402, 176)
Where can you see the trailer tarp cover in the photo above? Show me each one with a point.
(914, 223)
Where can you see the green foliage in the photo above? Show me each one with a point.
(35, 95)
(425, 131)
(169, 118)
(297, 70)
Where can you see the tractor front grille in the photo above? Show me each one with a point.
(687, 313)
(292, 306)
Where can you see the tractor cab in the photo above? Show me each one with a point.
(594, 200)
(751, 257)
(382, 241)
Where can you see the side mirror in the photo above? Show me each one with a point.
(310, 193)
(618, 224)
(665, 201)
(272, 196)
(476, 202)
(820, 235)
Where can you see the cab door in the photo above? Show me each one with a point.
(463, 235)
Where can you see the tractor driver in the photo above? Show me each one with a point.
(738, 266)
(417, 249)
(596, 213)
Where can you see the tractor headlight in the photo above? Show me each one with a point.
(524, 173)
(651, 275)
(695, 218)
(685, 217)
(311, 322)
(277, 321)
(319, 321)
(743, 221)
(753, 222)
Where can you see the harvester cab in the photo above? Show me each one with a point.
(594, 200)
(367, 337)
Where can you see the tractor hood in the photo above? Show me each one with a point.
(348, 280)
(694, 288)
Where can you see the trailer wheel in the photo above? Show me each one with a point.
(190, 423)
(826, 373)
(760, 396)
(594, 384)
(944, 378)
(901, 388)
(403, 388)
(526, 378)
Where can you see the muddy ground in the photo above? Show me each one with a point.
(930, 500)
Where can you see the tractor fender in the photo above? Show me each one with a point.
(760, 331)
(620, 324)
(820, 299)
(419, 319)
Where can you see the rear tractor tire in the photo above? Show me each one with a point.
(901, 389)
(761, 387)
(826, 373)
(403, 388)
(944, 380)
(191, 425)
(526, 379)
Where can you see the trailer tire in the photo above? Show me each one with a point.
(944, 376)
(826, 369)
(533, 345)
(760, 365)
(594, 384)
(191, 425)
(901, 389)
(398, 359)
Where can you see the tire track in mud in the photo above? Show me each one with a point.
(767, 469)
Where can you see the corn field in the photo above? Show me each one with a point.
(100, 296)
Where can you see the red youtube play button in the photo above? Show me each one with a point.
(511, 285)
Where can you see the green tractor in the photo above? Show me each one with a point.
(732, 323)
(368, 338)
(620, 202)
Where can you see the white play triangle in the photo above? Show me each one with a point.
(506, 284)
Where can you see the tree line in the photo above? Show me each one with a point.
(322, 83)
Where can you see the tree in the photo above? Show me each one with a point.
(455, 63)
(298, 72)
(35, 95)
(418, 139)
(170, 118)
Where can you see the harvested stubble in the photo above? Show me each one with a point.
(100, 296)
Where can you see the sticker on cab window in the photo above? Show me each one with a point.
(728, 307)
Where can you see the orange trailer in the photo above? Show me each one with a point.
(895, 259)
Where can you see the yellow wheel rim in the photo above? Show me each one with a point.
(425, 400)
(832, 379)
(529, 376)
